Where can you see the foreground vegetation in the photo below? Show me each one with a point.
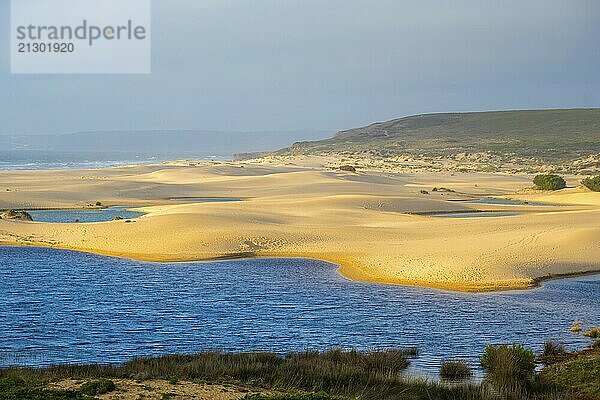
(12, 388)
(332, 375)
(347, 374)
(580, 372)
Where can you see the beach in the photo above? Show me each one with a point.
(375, 224)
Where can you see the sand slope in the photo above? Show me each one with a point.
(364, 222)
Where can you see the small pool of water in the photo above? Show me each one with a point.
(476, 214)
(66, 307)
(94, 215)
(206, 199)
(507, 202)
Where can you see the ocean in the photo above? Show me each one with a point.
(37, 159)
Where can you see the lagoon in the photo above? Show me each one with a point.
(68, 307)
(206, 199)
(504, 202)
(84, 215)
(483, 214)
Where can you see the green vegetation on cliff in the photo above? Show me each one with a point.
(562, 140)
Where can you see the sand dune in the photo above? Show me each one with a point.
(368, 223)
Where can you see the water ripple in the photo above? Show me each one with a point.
(67, 307)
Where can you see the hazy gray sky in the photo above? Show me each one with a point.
(325, 64)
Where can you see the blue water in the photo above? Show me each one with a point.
(206, 199)
(39, 159)
(67, 307)
(492, 200)
(476, 214)
(109, 213)
(95, 215)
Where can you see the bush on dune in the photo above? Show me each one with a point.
(347, 168)
(592, 183)
(549, 182)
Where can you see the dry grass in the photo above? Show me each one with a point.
(593, 333)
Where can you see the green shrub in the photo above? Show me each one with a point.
(504, 364)
(592, 183)
(99, 386)
(580, 374)
(18, 389)
(553, 352)
(455, 370)
(549, 182)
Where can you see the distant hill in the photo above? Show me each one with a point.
(160, 142)
(520, 137)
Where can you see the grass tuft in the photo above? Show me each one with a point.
(593, 333)
(576, 327)
(455, 370)
(553, 352)
(98, 386)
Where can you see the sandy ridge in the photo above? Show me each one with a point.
(364, 222)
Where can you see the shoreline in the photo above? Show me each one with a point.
(373, 225)
(345, 272)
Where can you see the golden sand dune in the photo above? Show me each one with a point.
(370, 223)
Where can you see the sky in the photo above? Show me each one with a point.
(321, 64)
